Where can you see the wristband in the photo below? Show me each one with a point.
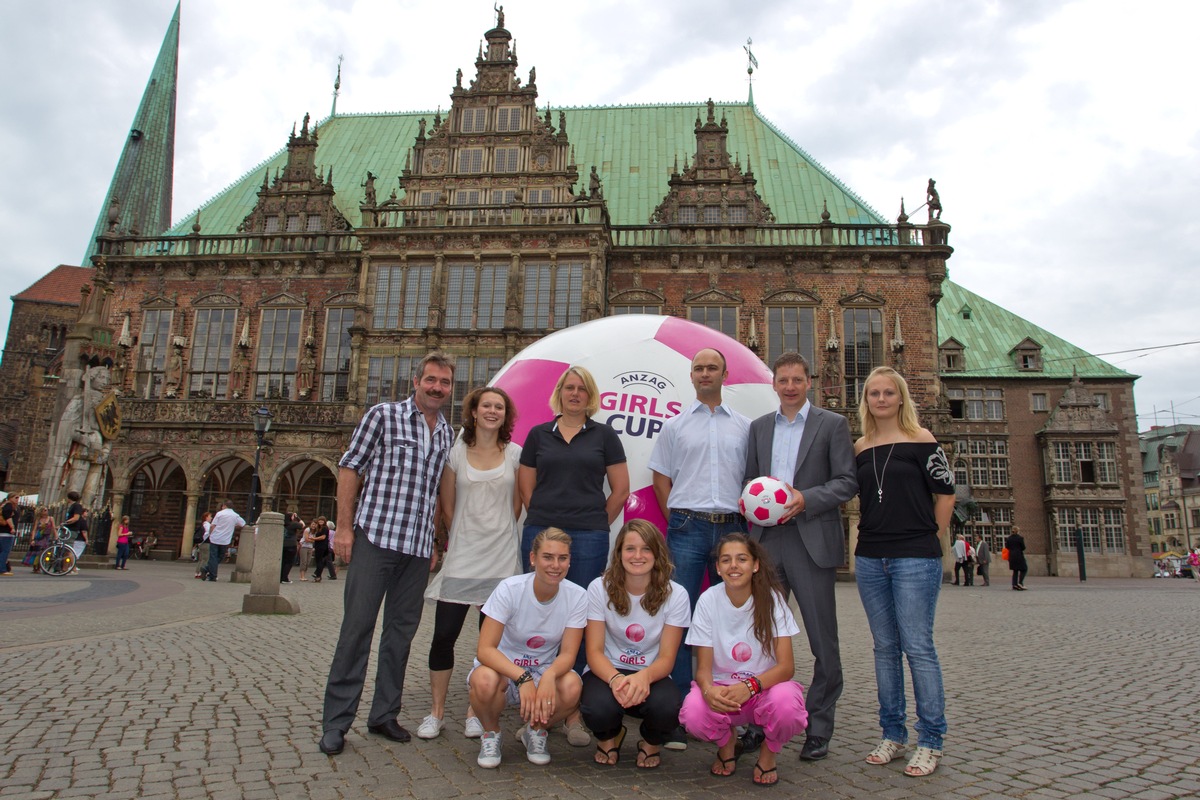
(526, 676)
(614, 677)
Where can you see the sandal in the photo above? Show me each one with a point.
(884, 752)
(644, 756)
(924, 762)
(727, 762)
(761, 774)
(612, 756)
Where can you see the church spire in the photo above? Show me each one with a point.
(143, 182)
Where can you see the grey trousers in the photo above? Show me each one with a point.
(397, 582)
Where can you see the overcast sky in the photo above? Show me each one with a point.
(1063, 135)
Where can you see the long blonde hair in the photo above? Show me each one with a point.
(907, 418)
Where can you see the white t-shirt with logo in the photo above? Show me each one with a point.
(533, 630)
(729, 631)
(631, 642)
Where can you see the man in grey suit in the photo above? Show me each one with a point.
(811, 450)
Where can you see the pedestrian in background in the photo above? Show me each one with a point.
(122, 544)
(983, 558)
(1015, 544)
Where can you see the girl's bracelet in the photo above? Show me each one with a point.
(614, 677)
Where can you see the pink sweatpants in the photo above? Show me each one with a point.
(779, 710)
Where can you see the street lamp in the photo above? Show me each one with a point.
(262, 424)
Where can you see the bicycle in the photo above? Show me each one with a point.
(59, 558)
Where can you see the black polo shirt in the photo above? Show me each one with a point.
(569, 492)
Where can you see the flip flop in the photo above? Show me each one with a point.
(644, 756)
(760, 774)
(725, 762)
(614, 750)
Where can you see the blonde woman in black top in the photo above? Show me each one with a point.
(906, 492)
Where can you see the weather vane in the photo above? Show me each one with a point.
(753, 62)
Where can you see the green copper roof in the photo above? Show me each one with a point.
(634, 148)
(991, 334)
(143, 181)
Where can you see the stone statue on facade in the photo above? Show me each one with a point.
(241, 368)
(933, 201)
(83, 438)
(174, 376)
(307, 373)
(499, 15)
(369, 190)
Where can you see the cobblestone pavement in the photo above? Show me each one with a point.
(149, 684)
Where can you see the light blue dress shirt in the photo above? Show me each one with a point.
(786, 444)
(703, 452)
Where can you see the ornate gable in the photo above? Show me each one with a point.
(791, 297)
(713, 190)
(299, 200)
(216, 300)
(712, 297)
(491, 150)
(1077, 412)
(862, 299)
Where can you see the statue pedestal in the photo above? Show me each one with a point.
(244, 566)
(266, 555)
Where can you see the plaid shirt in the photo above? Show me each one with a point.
(401, 462)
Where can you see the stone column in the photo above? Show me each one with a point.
(118, 508)
(245, 556)
(264, 597)
(189, 525)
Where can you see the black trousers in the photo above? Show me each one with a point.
(448, 620)
(602, 713)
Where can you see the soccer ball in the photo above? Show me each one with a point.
(642, 364)
(763, 500)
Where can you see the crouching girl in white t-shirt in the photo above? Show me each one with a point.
(532, 627)
(636, 619)
(741, 634)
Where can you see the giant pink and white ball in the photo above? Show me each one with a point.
(642, 366)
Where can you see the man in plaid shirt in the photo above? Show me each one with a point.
(395, 457)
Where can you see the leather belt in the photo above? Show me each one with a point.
(718, 517)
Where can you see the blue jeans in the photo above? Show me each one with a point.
(216, 553)
(900, 596)
(692, 542)
(6, 546)
(122, 555)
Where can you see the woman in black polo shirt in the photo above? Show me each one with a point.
(564, 463)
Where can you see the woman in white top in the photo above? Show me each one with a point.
(533, 625)
(636, 619)
(480, 505)
(741, 634)
(306, 548)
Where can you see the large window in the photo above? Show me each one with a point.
(212, 347)
(863, 342)
(152, 352)
(475, 296)
(628, 309)
(719, 318)
(976, 404)
(402, 296)
(553, 295)
(790, 329)
(508, 118)
(470, 160)
(1114, 530)
(389, 378)
(507, 159)
(1060, 455)
(1106, 462)
(278, 348)
(335, 365)
(474, 120)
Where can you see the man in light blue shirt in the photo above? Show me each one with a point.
(697, 466)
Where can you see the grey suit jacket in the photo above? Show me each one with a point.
(824, 475)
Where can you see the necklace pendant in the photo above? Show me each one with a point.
(880, 493)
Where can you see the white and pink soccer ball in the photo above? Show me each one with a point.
(763, 501)
(642, 365)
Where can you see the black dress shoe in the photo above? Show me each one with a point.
(391, 729)
(752, 739)
(332, 742)
(815, 748)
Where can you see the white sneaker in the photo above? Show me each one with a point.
(431, 726)
(535, 746)
(473, 728)
(489, 750)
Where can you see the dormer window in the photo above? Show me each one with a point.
(1027, 356)
(951, 357)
